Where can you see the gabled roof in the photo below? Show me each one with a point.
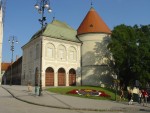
(93, 23)
(58, 30)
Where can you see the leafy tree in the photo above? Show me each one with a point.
(130, 48)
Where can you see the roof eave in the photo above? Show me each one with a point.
(94, 33)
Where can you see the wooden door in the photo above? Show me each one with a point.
(72, 77)
(61, 77)
(49, 80)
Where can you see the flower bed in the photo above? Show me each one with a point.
(88, 92)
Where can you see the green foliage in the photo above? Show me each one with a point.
(130, 47)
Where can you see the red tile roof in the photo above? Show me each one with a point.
(93, 23)
(4, 66)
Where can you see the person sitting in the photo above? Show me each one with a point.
(29, 87)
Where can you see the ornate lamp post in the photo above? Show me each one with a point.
(12, 40)
(41, 6)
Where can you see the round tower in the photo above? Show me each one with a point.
(94, 35)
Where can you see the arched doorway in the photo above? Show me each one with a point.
(49, 77)
(72, 77)
(36, 76)
(61, 77)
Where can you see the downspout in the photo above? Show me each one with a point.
(81, 57)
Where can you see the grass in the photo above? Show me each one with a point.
(64, 90)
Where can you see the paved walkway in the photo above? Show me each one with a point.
(54, 100)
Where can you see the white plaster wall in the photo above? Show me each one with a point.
(57, 63)
(96, 75)
(94, 61)
(29, 63)
(94, 49)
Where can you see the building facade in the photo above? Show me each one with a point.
(4, 68)
(61, 56)
(11, 72)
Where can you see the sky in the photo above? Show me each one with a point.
(21, 18)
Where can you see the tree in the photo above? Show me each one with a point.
(130, 48)
(144, 53)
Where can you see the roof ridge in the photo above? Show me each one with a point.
(61, 24)
(59, 30)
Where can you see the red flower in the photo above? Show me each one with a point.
(72, 91)
(88, 92)
(103, 94)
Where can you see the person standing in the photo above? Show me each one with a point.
(130, 98)
(145, 96)
(121, 94)
(140, 96)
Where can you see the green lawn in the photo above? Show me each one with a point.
(64, 90)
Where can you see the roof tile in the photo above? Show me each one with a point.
(93, 23)
(4, 66)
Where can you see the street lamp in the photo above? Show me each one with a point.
(12, 40)
(41, 6)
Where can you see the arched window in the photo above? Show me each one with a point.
(72, 54)
(37, 51)
(30, 56)
(50, 51)
(62, 52)
(36, 76)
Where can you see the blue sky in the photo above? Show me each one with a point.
(21, 18)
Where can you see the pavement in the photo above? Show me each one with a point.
(49, 99)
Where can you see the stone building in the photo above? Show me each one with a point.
(58, 55)
(11, 72)
(4, 67)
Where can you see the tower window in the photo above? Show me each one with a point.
(91, 25)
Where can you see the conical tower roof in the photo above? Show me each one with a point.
(93, 23)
